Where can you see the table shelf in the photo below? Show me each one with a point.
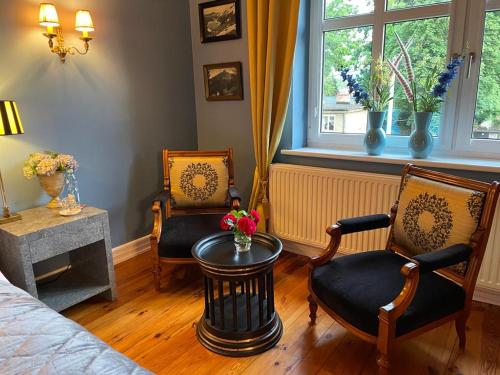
(69, 289)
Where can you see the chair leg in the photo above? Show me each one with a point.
(157, 275)
(313, 308)
(384, 363)
(460, 325)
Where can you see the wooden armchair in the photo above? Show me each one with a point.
(426, 275)
(198, 191)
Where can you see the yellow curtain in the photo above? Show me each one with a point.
(272, 31)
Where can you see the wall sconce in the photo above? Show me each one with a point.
(83, 22)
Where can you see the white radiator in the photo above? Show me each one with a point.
(305, 200)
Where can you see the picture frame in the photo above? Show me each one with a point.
(219, 20)
(223, 81)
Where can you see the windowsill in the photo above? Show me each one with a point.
(462, 163)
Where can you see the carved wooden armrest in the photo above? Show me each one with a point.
(234, 198)
(159, 205)
(347, 226)
(157, 222)
(336, 235)
(393, 310)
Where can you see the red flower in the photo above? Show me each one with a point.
(247, 226)
(227, 222)
(256, 216)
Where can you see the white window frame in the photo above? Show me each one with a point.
(474, 34)
(452, 113)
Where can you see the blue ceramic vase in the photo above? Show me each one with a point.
(374, 141)
(420, 142)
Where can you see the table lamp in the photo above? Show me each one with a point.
(10, 124)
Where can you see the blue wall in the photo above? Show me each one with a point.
(114, 109)
(226, 123)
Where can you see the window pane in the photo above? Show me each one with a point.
(350, 48)
(428, 49)
(400, 4)
(487, 116)
(344, 8)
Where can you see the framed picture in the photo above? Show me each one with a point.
(223, 81)
(220, 20)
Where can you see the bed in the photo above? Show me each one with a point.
(35, 339)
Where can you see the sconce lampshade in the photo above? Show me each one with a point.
(83, 21)
(10, 121)
(48, 15)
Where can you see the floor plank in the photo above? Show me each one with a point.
(157, 330)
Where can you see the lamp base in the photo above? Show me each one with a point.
(13, 217)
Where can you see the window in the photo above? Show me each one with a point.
(487, 117)
(341, 48)
(428, 39)
(352, 33)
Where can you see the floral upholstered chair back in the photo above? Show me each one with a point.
(197, 180)
(434, 215)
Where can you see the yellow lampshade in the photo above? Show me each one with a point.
(83, 21)
(48, 15)
(10, 121)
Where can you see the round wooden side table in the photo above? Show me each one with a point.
(239, 318)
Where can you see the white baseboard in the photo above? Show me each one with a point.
(487, 294)
(300, 249)
(482, 293)
(130, 249)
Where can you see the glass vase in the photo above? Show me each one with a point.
(242, 242)
(71, 201)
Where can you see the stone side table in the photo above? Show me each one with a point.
(43, 234)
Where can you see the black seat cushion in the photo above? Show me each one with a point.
(180, 233)
(356, 286)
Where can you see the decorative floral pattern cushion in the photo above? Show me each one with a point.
(198, 182)
(433, 216)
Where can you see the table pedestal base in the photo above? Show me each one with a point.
(241, 345)
(240, 318)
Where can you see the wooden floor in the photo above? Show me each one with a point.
(157, 330)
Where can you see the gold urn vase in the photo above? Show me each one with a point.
(53, 186)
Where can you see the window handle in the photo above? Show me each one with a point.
(472, 57)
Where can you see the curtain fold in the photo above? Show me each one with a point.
(272, 32)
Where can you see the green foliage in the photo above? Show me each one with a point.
(427, 52)
(239, 214)
(399, 4)
(352, 48)
(488, 101)
(378, 85)
(342, 8)
(345, 48)
(427, 102)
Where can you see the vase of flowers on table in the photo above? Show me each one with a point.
(426, 98)
(50, 168)
(374, 99)
(243, 225)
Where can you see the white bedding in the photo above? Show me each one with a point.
(36, 340)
